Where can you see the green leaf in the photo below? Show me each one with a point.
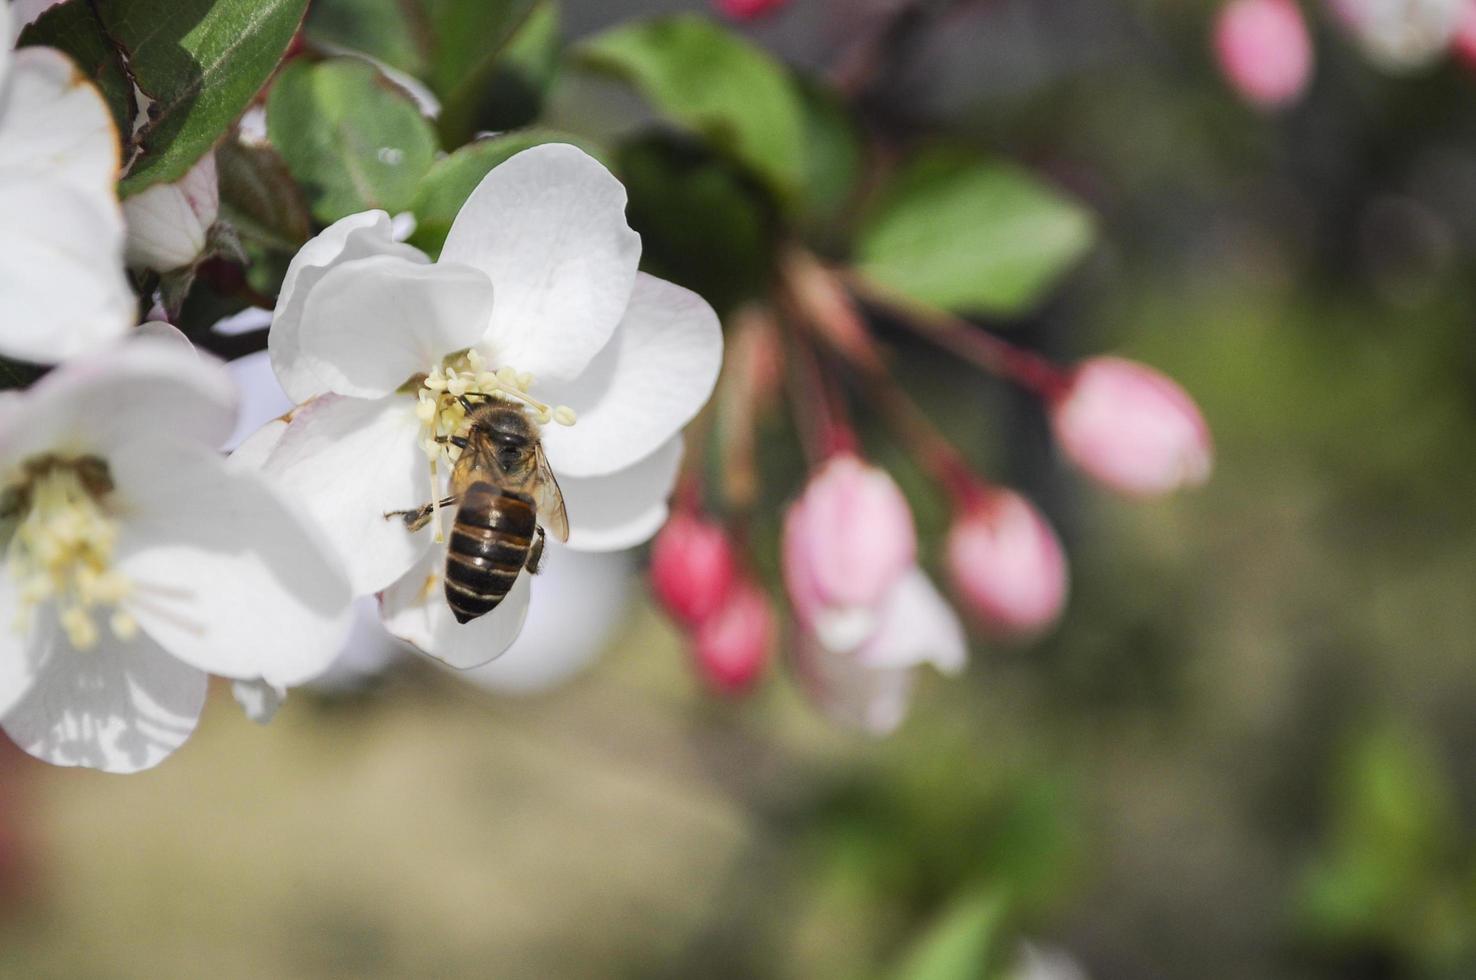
(352, 139)
(259, 198)
(451, 45)
(452, 179)
(972, 235)
(199, 62)
(714, 83)
(833, 157)
(702, 225)
(963, 944)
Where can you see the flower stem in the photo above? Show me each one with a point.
(1024, 367)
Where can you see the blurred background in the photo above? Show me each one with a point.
(1248, 751)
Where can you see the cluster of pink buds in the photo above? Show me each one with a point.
(729, 619)
(864, 613)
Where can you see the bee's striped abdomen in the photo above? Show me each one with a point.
(489, 545)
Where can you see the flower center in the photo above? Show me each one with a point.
(443, 413)
(62, 547)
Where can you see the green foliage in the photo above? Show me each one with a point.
(200, 62)
(702, 224)
(452, 179)
(350, 137)
(833, 160)
(1391, 874)
(971, 235)
(452, 45)
(715, 84)
(963, 944)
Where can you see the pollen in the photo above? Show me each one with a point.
(61, 551)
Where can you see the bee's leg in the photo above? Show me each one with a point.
(535, 553)
(418, 517)
(458, 441)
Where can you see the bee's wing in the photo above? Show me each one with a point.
(550, 499)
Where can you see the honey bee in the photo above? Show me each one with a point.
(502, 488)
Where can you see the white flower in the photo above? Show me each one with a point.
(870, 687)
(136, 561)
(536, 299)
(557, 644)
(168, 224)
(62, 288)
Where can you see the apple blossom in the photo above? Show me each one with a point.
(1132, 428)
(535, 300)
(138, 562)
(1402, 35)
(168, 224)
(846, 543)
(1264, 50)
(62, 288)
(870, 687)
(1006, 564)
(731, 647)
(692, 567)
(554, 645)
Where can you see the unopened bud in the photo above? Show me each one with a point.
(732, 646)
(1132, 428)
(1264, 50)
(846, 542)
(169, 224)
(1006, 565)
(692, 568)
(748, 9)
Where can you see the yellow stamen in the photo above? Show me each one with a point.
(62, 548)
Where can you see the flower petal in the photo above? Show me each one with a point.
(121, 707)
(259, 699)
(24, 655)
(917, 626)
(874, 700)
(62, 290)
(624, 509)
(655, 374)
(262, 398)
(357, 236)
(554, 646)
(415, 610)
(55, 124)
(369, 325)
(226, 576)
(348, 461)
(548, 228)
(94, 404)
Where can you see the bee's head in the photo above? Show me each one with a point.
(508, 429)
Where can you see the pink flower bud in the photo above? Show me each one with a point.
(1132, 428)
(1264, 50)
(847, 541)
(748, 9)
(691, 568)
(1007, 566)
(732, 646)
(1463, 45)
